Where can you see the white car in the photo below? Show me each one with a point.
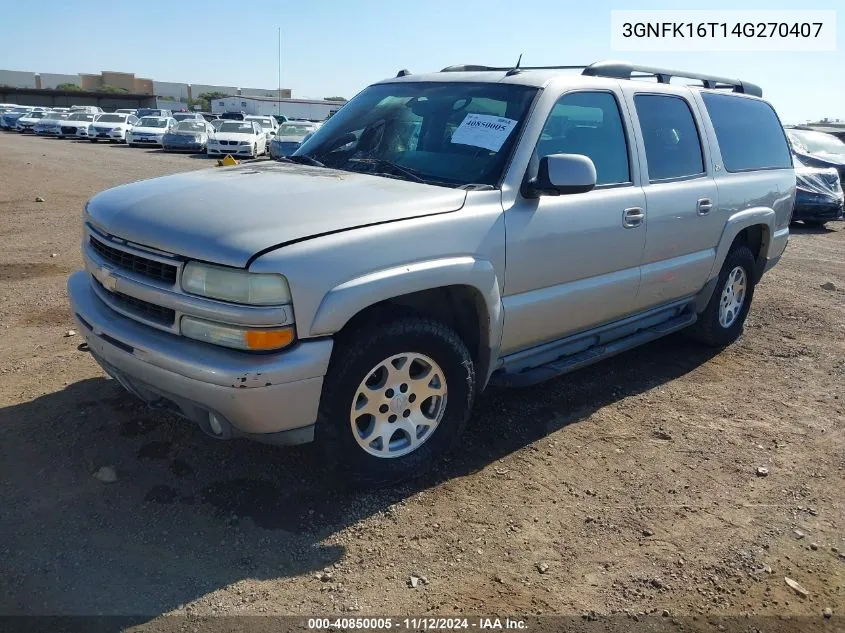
(76, 125)
(51, 124)
(111, 127)
(87, 109)
(149, 130)
(238, 138)
(27, 122)
(267, 123)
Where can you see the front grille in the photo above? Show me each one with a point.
(144, 309)
(134, 263)
(67, 129)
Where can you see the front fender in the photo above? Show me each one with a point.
(346, 300)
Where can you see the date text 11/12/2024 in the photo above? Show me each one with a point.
(416, 624)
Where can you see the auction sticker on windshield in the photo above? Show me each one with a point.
(483, 130)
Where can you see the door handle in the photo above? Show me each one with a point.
(632, 217)
(704, 206)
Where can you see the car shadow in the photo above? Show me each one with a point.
(189, 515)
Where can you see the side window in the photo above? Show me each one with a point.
(672, 144)
(749, 133)
(588, 123)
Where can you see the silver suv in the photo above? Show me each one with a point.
(440, 233)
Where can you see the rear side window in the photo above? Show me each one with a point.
(672, 144)
(588, 123)
(749, 133)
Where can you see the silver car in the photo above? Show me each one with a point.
(440, 233)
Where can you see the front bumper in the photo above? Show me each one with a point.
(268, 397)
(234, 150)
(823, 211)
(184, 147)
(143, 140)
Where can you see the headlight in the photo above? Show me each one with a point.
(237, 286)
(252, 339)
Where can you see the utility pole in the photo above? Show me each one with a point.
(279, 102)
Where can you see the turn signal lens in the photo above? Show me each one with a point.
(268, 339)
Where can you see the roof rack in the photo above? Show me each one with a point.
(624, 70)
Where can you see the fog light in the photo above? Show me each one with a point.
(245, 338)
(215, 425)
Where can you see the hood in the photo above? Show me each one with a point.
(291, 139)
(227, 215)
(819, 158)
(232, 136)
(188, 133)
(108, 125)
(149, 130)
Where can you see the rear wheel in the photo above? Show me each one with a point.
(722, 321)
(395, 399)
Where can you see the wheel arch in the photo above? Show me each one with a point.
(463, 292)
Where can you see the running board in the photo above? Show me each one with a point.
(565, 364)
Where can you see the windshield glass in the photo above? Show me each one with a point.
(239, 127)
(184, 115)
(35, 115)
(81, 116)
(264, 123)
(447, 133)
(21, 110)
(191, 126)
(112, 118)
(292, 129)
(148, 112)
(816, 142)
(151, 122)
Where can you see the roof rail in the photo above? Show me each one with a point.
(470, 68)
(625, 70)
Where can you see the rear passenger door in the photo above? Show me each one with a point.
(683, 220)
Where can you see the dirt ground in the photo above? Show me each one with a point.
(628, 489)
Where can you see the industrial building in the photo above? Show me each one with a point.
(312, 109)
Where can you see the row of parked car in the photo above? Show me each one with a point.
(234, 133)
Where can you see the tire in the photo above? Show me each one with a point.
(355, 357)
(131, 144)
(710, 329)
(815, 224)
(93, 140)
(254, 150)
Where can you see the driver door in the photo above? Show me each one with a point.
(573, 261)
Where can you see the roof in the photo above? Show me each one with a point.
(53, 92)
(539, 76)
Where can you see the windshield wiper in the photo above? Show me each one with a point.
(386, 164)
(303, 160)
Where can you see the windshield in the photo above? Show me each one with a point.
(264, 123)
(151, 122)
(81, 116)
(35, 115)
(191, 126)
(291, 129)
(112, 118)
(445, 133)
(21, 110)
(816, 142)
(148, 112)
(238, 127)
(183, 116)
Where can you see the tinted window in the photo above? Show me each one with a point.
(672, 145)
(588, 123)
(749, 133)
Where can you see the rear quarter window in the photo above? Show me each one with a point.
(749, 133)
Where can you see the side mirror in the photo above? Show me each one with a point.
(562, 174)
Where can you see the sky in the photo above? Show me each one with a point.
(338, 47)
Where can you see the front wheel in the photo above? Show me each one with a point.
(722, 320)
(93, 140)
(396, 397)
